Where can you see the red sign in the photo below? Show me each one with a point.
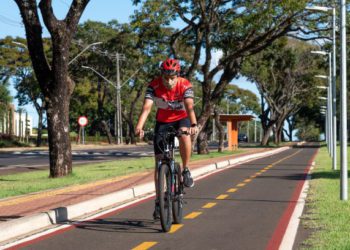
(83, 121)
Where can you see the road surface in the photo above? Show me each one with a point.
(243, 207)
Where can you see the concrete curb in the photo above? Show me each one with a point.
(34, 223)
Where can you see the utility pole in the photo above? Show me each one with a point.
(118, 124)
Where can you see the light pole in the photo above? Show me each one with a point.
(76, 57)
(343, 116)
(333, 77)
(327, 127)
(331, 141)
(331, 111)
(117, 123)
(81, 52)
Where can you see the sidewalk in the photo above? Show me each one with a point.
(21, 215)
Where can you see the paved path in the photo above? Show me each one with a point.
(243, 207)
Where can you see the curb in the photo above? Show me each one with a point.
(21, 227)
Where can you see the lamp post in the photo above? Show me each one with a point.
(327, 127)
(343, 115)
(117, 123)
(81, 52)
(333, 77)
(331, 142)
(331, 111)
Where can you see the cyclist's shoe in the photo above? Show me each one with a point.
(187, 178)
(156, 213)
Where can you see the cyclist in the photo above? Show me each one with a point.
(173, 96)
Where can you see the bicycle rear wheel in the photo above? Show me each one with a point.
(178, 199)
(164, 182)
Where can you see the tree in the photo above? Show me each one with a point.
(17, 62)
(236, 28)
(142, 51)
(284, 74)
(53, 77)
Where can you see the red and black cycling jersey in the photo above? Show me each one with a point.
(170, 102)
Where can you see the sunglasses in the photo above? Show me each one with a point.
(169, 72)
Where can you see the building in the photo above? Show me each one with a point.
(16, 123)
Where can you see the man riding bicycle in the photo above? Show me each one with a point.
(173, 96)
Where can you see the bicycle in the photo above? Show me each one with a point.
(170, 186)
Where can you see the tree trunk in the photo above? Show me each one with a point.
(220, 128)
(107, 130)
(40, 129)
(202, 143)
(58, 130)
(266, 136)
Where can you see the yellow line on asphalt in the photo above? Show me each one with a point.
(232, 190)
(45, 194)
(247, 180)
(263, 170)
(209, 205)
(222, 197)
(175, 227)
(253, 176)
(145, 245)
(241, 185)
(193, 215)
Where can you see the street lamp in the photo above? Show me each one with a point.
(87, 47)
(343, 116)
(332, 119)
(343, 92)
(333, 75)
(118, 112)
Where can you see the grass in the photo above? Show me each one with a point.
(29, 182)
(326, 215)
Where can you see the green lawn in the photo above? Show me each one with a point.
(326, 214)
(24, 183)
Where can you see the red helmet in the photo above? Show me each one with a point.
(170, 67)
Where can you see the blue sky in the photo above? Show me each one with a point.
(97, 10)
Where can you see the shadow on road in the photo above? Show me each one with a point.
(120, 225)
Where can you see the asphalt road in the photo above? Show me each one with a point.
(19, 161)
(238, 208)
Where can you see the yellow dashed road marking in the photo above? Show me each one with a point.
(193, 215)
(175, 227)
(262, 171)
(232, 190)
(247, 180)
(241, 185)
(209, 205)
(222, 197)
(145, 245)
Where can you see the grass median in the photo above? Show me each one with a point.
(326, 215)
(36, 181)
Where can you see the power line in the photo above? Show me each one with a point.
(10, 21)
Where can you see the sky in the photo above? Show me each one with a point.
(96, 10)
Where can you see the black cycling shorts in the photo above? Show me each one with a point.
(161, 127)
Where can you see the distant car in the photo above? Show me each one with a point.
(242, 138)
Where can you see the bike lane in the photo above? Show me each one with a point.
(238, 208)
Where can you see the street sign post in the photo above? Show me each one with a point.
(83, 121)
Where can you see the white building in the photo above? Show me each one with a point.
(18, 125)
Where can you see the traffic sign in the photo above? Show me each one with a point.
(83, 121)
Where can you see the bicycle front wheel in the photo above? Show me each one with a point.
(164, 187)
(178, 200)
